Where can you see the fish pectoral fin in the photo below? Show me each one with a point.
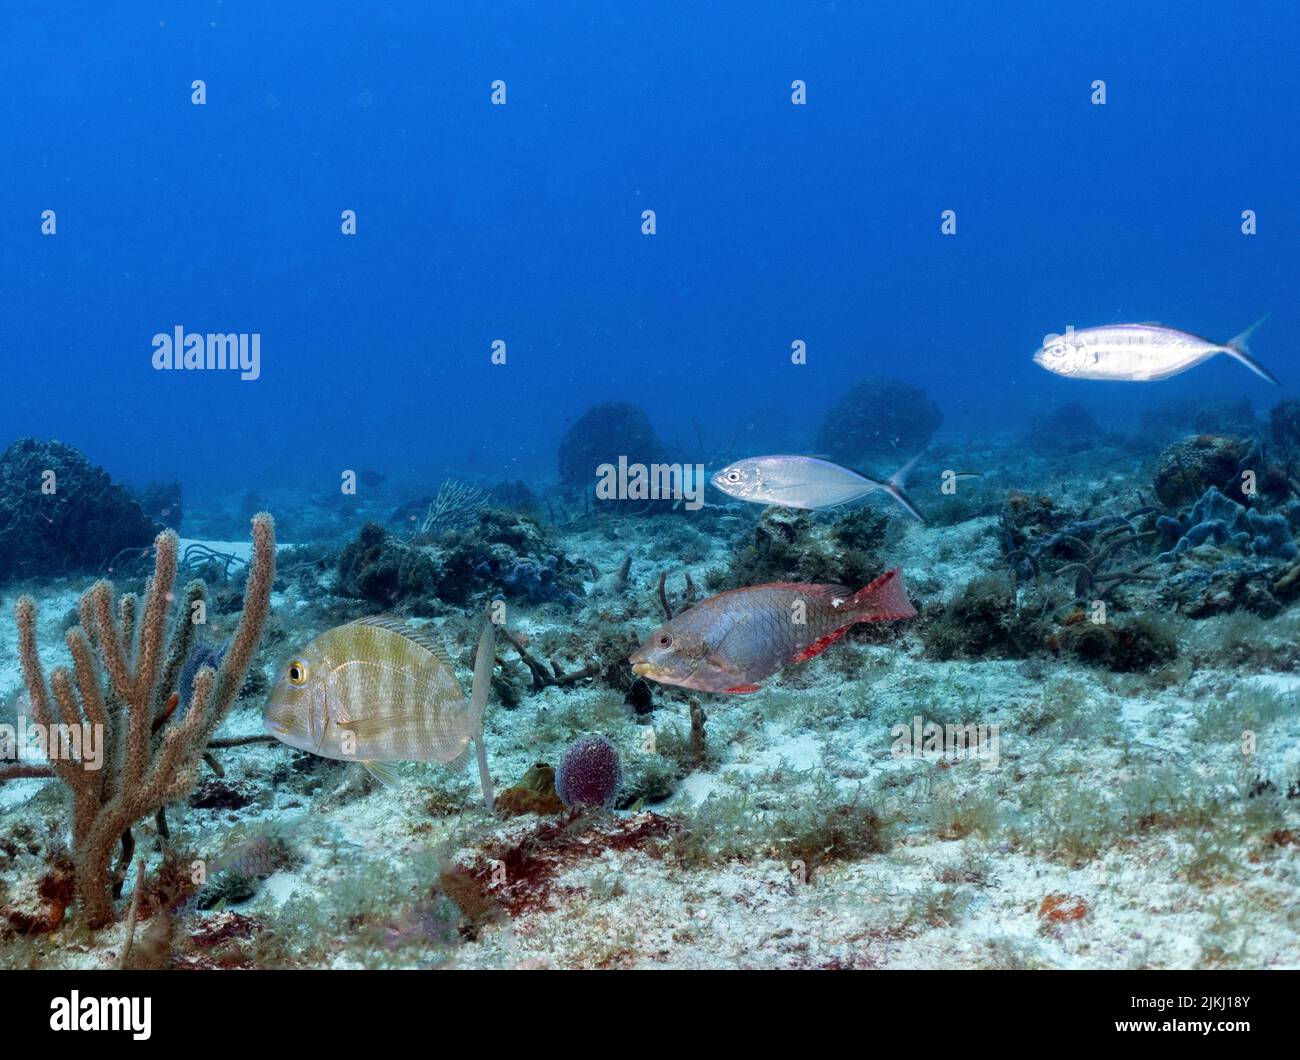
(715, 656)
(720, 662)
(384, 772)
(376, 725)
(716, 660)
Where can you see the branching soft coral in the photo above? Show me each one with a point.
(123, 688)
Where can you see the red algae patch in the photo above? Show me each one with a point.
(519, 872)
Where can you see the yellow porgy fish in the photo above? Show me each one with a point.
(376, 691)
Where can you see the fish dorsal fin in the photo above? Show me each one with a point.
(836, 595)
(424, 638)
(376, 726)
(810, 590)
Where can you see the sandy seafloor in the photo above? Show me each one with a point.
(1122, 828)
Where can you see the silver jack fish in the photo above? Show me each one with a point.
(1139, 353)
(808, 482)
(376, 691)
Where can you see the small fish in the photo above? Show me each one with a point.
(1139, 353)
(376, 691)
(258, 857)
(808, 482)
(732, 641)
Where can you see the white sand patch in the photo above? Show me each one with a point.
(943, 559)
(51, 611)
(239, 549)
(17, 792)
(242, 550)
(698, 786)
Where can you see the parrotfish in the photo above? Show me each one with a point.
(1139, 353)
(807, 482)
(732, 641)
(377, 691)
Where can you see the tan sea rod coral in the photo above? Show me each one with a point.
(124, 686)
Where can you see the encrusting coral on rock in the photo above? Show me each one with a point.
(601, 435)
(59, 513)
(878, 418)
(1188, 468)
(500, 552)
(124, 689)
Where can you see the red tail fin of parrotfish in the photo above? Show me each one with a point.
(884, 600)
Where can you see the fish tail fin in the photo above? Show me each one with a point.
(895, 487)
(884, 600)
(1237, 349)
(484, 660)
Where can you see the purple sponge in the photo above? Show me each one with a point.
(589, 773)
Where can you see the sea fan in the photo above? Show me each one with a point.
(455, 507)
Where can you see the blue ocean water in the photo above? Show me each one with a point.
(522, 223)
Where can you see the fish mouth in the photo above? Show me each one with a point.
(660, 674)
(650, 670)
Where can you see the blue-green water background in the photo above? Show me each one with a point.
(477, 222)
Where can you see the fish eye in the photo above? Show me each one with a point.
(297, 673)
(664, 640)
(733, 476)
